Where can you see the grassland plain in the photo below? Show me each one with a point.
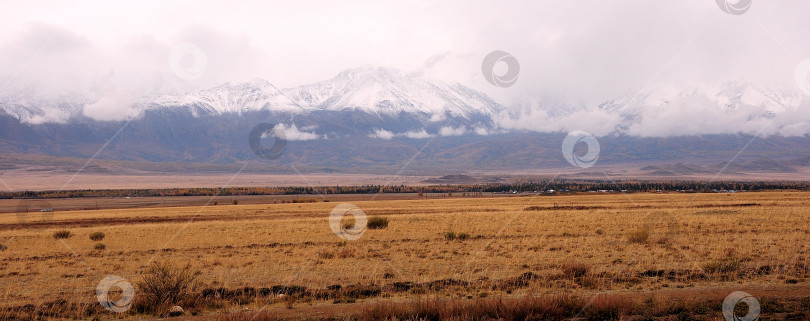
(285, 260)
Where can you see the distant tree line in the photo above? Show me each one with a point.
(544, 186)
(644, 186)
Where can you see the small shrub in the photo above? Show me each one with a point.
(164, 285)
(235, 202)
(348, 222)
(3, 247)
(574, 270)
(599, 232)
(97, 236)
(663, 241)
(215, 203)
(377, 222)
(638, 236)
(346, 252)
(723, 266)
(589, 281)
(450, 235)
(63, 234)
(99, 246)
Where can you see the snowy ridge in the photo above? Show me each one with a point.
(231, 97)
(378, 91)
(388, 91)
(390, 94)
(30, 106)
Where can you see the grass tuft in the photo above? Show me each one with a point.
(725, 265)
(574, 270)
(377, 222)
(63, 234)
(638, 236)
(450, 235)
(164, 285)
(97, 236)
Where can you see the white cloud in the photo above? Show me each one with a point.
(292, 133)
(417, 134)
(49, 116)
(437, 117)
(381, 134)
(597, 122)
(113, 105)
(531, 119)
(583, 54)
(748, 110)
(414, 134)
(50, 65)
(481, 131)
(452, 131)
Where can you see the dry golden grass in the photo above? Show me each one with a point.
(694, 240)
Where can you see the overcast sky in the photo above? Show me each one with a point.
(581, 52)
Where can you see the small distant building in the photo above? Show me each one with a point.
(46, 210)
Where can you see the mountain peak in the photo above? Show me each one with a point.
(381, 90)
(231, 97)
(370, 72)
(374, 90)
(252, 83)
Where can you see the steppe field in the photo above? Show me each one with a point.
(639, 256)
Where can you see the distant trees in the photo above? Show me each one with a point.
(540, 185)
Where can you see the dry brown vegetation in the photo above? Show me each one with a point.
(518, 254)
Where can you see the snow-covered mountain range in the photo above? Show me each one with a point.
(376, 91)
(382, 117)
(390, 94)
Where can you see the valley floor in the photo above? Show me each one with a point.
(595, 253)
